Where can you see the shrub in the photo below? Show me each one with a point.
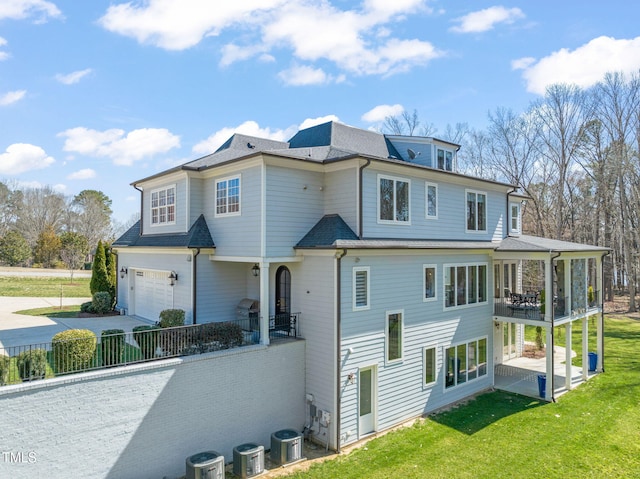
(229, 335)
(170, 318)
(32, 364)
(87, 307)
(147, 339)
(112, 346)
(99, 276)
(539, 341)
(102, 302)
(73, 350)
(5, 362)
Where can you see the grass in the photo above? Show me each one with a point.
(70, 311)
(591, 432)
(44, 287)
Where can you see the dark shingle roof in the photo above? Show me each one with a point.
(326, 232)
(535, 243)
(198, 236)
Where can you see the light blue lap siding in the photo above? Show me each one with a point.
(396, 284)
(181, 218)
(341, 195)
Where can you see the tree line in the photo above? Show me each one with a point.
(575, 154)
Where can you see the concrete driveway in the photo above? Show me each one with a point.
(20, 330)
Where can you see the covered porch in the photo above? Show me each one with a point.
(553, 285)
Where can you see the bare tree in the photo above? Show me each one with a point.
(39, 209)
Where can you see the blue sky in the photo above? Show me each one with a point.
(97, 94)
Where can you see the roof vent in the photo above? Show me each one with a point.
(250, 146)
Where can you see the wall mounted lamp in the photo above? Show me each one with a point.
(173, 277)
(123, 272)
(255, 271)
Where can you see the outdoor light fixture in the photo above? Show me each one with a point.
(173, 277)
(255, 271)
(123, 272)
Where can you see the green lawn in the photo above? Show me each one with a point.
(45, 287)
(591, 432)
(70, 311)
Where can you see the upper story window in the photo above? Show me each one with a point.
(431, 193)
(514, 217)
(429, 286)
(163, 206)
(228, 196)
(465, 284)
(445, 159)
(360, 288)
(393, 200)
(476, 211)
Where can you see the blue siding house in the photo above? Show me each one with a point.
(409, 282)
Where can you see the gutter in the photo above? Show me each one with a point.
(360, 195)
(141, 208)
(339, 255)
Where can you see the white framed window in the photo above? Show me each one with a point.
(431, 195)
(476, 211)
(429, 285)
(394, 325)
(361, 288)
(465, 362)
(514, 217)
(228, 196)
(163, 206)
(429, 366)
(465, 284)
(394, 200)
(444, 159)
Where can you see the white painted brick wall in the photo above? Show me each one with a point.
(143, 421)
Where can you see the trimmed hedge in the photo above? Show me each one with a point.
(73, 350)
(112, 346)
(229, 335)
(32, 364)
(87, 307)
(170, 318)
(147, 339)
(102, 302)
(5, 363)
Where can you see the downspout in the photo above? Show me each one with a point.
(553, 341)
(602, 306)
(360, 220)
(141, 208)
(339, 255)
(194, 284)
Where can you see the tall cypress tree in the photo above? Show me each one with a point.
(99, 276)
(110, 262)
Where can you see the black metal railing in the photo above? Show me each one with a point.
(283, 325)
(513, 307)
(45, 360)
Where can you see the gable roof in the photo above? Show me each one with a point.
(198, 236)
(327, 232)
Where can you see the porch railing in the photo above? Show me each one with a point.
(45, 360)
(513, 308)
(283, 325)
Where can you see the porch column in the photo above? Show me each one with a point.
(568, 368)
(585, 348)
(264, 303)
(600, 321)
(548, 311)
(549, 366)
(567, 287)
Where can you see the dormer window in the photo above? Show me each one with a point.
(444, 159)
(163, 206)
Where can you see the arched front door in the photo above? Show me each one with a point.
(283, 290)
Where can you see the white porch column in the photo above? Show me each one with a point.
(567, 287)
(567, 362)
(549, 367)
(585, 348)
(264, 303)
(600, 321)
(548, 311)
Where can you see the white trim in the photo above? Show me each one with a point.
(479, 376)
(426, 299)
(466, 304)
(426, 200)
(430, 384)
(486, 209)
(227, 179)
(175, 201)
(518, 218)
(358, 269)
(395, 179)
(400, 359)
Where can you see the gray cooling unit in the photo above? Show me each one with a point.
(286, 446)
(205, 465)
(248, 460)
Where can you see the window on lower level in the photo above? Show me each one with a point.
(429, 360)
(465, 284)
(430, 287)
(393, 336)
(465, 362)
(163, 206)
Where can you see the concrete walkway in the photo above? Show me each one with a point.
(20, 330)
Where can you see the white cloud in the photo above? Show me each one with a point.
(522, 63)
(121, 148)
(484, 20)
(83, 174)
(20, 9)
(250, 127)
(357, 41)
(305, 75)
(23, 157)
(12, 97)
(380, 112)
(59, 187)
(309, 122)
(3, 55)
(584, 66)
(73, 77)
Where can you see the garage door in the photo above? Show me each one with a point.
(152, 294)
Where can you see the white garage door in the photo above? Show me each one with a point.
(152, 294)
